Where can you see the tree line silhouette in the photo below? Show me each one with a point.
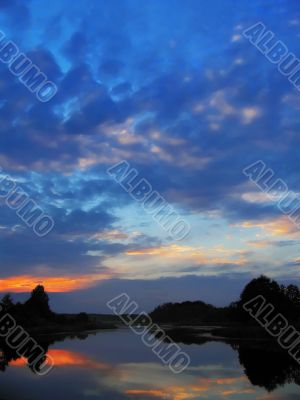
(265, 366)
(265, 363)
(35, 314)
(285, 299)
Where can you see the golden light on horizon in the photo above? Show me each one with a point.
(52, 284)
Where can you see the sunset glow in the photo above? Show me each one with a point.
(19, 284)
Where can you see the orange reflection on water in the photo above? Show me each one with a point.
(172, 393)
(223, 387)
(153, 393)
(240, 391)
(65, 358)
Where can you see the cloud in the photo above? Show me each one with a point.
(275, 227)
(177, 92)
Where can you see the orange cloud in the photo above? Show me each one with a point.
(259, 244)
(115, 235)
(193, 254)
(168, 251)
(275, 227)
(25, 283)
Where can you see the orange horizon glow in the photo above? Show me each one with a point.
(52, 284)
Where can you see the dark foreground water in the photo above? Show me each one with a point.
(115, 365)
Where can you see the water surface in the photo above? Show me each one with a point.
(117, 365)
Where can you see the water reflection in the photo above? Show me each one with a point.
(265, 363)
(9, 356)
(268, 369)
(116, 365)
(65, 358)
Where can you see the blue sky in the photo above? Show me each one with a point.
(176, 90)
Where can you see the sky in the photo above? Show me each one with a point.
(175, 90)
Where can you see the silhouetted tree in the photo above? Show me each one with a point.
(7, 302)
(293, 294)
(285, 300)
(38, 304)
(83, 317)
(188, 311)
(261, 286)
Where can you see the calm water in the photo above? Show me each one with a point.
(116, 365)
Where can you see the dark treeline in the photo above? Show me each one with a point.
(37, 319)
(285, 299)
(265, 363)
(35, 315)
